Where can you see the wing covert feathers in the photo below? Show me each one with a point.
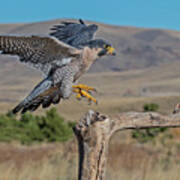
(36, 51)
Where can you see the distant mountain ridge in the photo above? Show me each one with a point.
(136, 47)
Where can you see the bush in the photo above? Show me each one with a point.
(147, 135)
(150, 134)
(32, 128)
(151, 107)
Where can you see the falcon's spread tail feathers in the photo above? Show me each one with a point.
(44, 93)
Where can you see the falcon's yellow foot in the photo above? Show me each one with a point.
(84, 87)
(83, 91)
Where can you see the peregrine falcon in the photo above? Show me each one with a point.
(62, 56)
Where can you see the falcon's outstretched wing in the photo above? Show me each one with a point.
(66, 30)
(39, 52)
(74, 34)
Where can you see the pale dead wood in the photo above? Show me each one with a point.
(94, 131)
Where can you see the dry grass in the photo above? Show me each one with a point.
(127, 160)
(131, 161)
(48, 161)
(44, 170)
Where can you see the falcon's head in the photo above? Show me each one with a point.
(101, 47)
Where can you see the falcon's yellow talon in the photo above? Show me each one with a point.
(88, 96)
(83, 91)
(76, 90)
(84, 87)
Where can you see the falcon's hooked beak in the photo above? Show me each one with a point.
(107, 50)
(110, 50)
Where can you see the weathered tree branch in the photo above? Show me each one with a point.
(94, 131)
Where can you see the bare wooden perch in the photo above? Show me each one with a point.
(94, 131)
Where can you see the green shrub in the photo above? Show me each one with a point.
(150, 134)
(151, 107)
(32, 128)
(147, 135)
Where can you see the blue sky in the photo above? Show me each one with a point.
(141, 13)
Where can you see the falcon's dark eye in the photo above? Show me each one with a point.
(106, 46)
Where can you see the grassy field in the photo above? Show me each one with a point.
(117, 92)
(127, 160)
